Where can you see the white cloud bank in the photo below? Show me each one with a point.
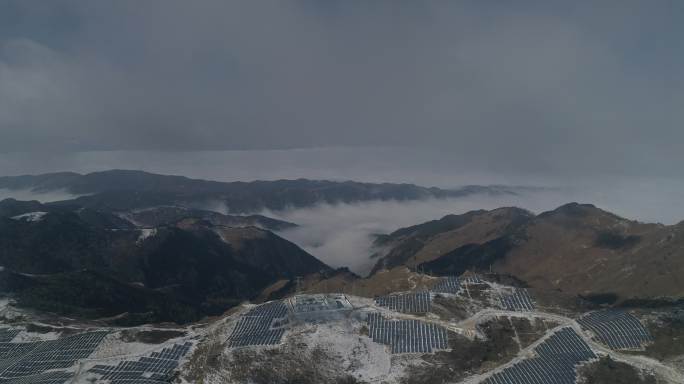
(43, 197)
(341, 235)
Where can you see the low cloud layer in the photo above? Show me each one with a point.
(43, 197)
(342, 235)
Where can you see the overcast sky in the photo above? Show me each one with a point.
(543, 87)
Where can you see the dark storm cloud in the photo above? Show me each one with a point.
(532, 86)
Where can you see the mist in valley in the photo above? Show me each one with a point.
(41, 196)
(343, 234)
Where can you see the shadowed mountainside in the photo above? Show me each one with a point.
(154, 217)
(75, 263)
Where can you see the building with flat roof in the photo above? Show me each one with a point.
(319, 306)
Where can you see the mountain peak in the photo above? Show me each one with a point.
(574, 209)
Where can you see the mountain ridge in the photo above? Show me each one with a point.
(128, 189)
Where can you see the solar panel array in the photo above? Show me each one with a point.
(417, 302)
(616, 328)
(156, 368)
(7, 334)
(449, 284)
(407, 336)
(42, 378)
(260, 326)
(27, 362)
(520, 300)
(473, 279)
(558, 357)
(11, 353)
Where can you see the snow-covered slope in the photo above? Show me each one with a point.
(31, 216)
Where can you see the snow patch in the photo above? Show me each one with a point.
(146, 233)
(368, 361)
(26, 336)
(7, 310)
(31, 216)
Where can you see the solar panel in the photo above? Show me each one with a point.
(449, 284)
(472, 279)
(19, 360)
(7, 334)
(260, 326)
(556, 362)
(617, 329)
(416, 302)
(519, 300)
(41, 378)
(407, 336)
(156, 368)
(28, 362)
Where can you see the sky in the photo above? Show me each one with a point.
(543, 87)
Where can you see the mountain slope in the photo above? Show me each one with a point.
(40, 183)
(91, 294)
(576, 248)
(582, 249)
(157, 216)
(12, 207)
(413, 245)
(204, 267)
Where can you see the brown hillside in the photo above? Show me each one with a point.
(577, 248)
(414, 245)
(582, 249)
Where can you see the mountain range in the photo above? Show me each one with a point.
(126, 190)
